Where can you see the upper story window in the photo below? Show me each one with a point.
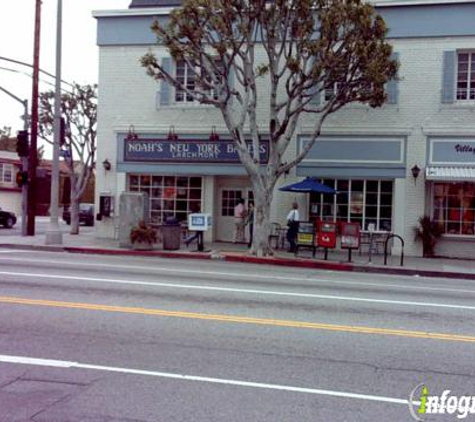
(6, 173)
(466, 76)
(186, 76)
(331, 91)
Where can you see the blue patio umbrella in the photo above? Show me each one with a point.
(308, 185)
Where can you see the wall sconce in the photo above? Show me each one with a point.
(131, 135)
(172, 136)
(415, 172)
(106, 164)
(213, 136)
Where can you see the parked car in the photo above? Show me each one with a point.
(7, 219)
(86, 214)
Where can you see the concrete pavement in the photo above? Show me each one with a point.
(87, 242)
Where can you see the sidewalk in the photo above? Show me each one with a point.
(86, 242)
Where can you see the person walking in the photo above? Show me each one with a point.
(293, 219)
(239, 213)
(250, 221)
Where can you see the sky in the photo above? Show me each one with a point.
(79, 52)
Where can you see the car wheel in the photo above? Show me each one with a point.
(8, 223)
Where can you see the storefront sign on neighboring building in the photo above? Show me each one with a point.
(187, 151)
(455, 151)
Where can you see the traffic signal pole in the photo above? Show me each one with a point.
(33, 163)
(24, 164)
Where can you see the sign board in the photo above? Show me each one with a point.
(199, 222)
(350, 235)
(188, 151)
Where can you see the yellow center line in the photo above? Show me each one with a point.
(240, 319)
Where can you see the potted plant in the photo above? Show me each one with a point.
(428, 232)
(143, 236)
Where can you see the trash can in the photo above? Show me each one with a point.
(171, 234)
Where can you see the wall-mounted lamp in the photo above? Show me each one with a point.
(131, 133)
(415, 172)
(172, 136)
(106, 164)
(213, 136)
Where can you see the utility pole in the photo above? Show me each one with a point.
(54, 236)
(34, 124)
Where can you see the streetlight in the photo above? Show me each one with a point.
(54, 236)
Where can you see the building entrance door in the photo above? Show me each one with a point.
(228, 198)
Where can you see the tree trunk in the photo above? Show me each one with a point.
(262, 203)
(74, 215)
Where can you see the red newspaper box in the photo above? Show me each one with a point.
(326, 237)
(350, 237)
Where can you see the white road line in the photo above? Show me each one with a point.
(251, 277)
(242, 291)
(67, 364)
(11, 251)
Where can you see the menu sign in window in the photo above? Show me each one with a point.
(188, 151)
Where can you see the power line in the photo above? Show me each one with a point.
(31, 66)
(26, 74)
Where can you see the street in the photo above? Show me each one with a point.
(113, 338)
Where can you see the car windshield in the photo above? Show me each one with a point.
(85, 207)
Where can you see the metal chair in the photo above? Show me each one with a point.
(275, 231)
(365, 241)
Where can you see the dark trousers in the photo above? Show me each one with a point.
(251, 234)
(292, 234)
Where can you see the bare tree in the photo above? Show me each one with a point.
(309, 46)
(79, 114)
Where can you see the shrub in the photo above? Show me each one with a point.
(143, 233)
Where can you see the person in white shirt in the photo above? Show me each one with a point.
(239, 214)
(293, 219)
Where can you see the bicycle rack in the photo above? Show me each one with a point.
(386, 248)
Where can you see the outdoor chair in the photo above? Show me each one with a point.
(275, 231)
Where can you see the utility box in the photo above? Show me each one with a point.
(133, 207)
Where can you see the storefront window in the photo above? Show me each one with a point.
(169, 196)
(454, 207)
(230, 198)
(359, 201)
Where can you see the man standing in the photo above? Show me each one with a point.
(250, 221)
(239, 212)
(293, 219)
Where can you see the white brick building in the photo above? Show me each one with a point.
(366, 154)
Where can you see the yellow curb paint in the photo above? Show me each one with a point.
(240, 320)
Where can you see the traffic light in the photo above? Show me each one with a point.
(22, 147)
(62, 132)
(22, 178)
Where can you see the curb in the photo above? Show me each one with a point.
(103, 251)
(346, 267)
(243, 258)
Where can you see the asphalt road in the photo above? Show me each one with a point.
(101, 338)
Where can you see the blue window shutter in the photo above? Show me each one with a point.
(165, 87)
(448, 77)
(316, 93)
(231, 81)
(392, 87)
